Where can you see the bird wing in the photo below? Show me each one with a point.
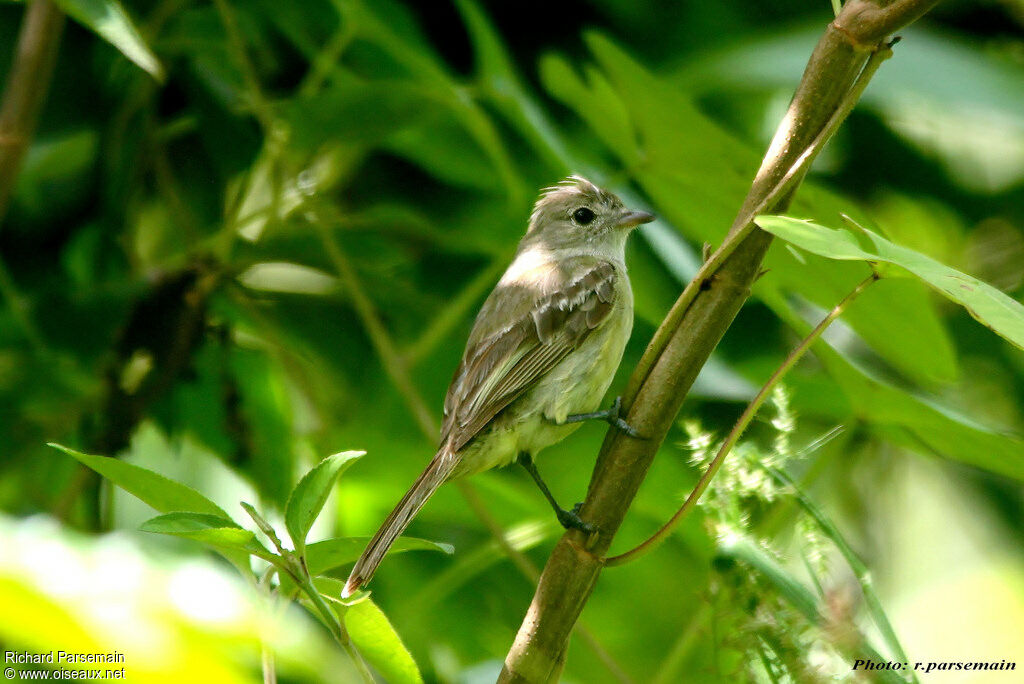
(544, 324)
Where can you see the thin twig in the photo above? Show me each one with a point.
(738, 429)
(236, 44)
(31, 72)
(326, 60)
(295, 567)
(24, 93)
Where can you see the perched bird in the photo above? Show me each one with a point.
(541, 355)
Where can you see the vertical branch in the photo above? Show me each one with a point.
(684, 342)
(25, 92)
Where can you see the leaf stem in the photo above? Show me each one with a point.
(738, 429)
(295, 566)
(333, 623)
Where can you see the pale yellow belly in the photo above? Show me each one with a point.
(576, 385)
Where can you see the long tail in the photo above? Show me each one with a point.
(426, 484)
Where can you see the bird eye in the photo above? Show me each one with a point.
(583, 216)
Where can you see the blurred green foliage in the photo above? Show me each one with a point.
(225, 276)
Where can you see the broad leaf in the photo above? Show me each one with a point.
(380, 644)
(330, 553)
(853, 392)
(164, 495)
(992, 308)
(311, 493)
(110, 21)
(213, 530)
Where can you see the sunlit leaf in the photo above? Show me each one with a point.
(593, 99)
(164, 495)
(992, 308)
(310, 494)
(109, 19)
(380, 644)
(213, 530)
(288, 277)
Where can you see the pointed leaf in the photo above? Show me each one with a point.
(380, 644)
(213, 530)
(992, 308)
(108, 19)
(834, 244)
(311, 493)
(164, 495)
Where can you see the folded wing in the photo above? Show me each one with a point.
(546, 327)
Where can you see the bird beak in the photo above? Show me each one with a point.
(631, 219)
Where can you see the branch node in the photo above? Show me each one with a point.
(852, 39)
(584, 549)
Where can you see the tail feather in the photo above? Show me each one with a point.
(432, 477)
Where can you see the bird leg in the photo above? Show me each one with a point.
(570, 520)
(609, 415)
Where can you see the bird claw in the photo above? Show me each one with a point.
(571, 520)
(615, 418)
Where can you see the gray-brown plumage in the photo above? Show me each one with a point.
(544, 346)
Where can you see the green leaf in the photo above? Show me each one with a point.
(594, 100)
(311, 493)
(901, 415)
(213, 530)
(992, 308)
(833, 244)
(268, 412)
(380, 644)
(330, 553)
(108, 19)
(166, 496)
(358, 113)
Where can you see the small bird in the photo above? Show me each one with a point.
(541, 355)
